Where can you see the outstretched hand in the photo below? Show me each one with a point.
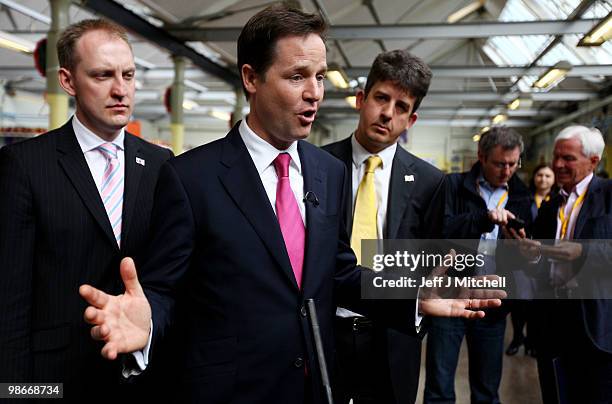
(453, 301)
(123, 321)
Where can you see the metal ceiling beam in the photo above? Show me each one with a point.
(160, 37)
(573, 116)
(414, 31)
(558, 95)
(432, 112)
(497, 71)
(456, 123)
(35, 15)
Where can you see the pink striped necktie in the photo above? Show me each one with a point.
(111, 189)
(289, 217)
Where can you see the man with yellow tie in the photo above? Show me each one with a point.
(394, 195)
(478, 204)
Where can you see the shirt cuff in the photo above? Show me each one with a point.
(141, 358)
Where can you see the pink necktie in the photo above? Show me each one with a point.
(111, 189)
(289, 217)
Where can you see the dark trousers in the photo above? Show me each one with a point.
(375, 365)
(485, 342)
(572, 370)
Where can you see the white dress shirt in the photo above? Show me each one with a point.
(578, 190)
(382, 178)
(263, 154)
(89, 142)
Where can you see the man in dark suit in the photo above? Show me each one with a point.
(574, 341)
(73, 202)
(249, 227)
(377, 364)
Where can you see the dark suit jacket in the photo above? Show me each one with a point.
(415, 210)
(54, 236)
(594, 269)
(244, 333)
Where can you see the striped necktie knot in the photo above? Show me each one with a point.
(108, 150)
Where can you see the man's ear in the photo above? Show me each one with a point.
(359, 99)
(413, 118)
(250, 78)
(594, 161)
(66, 80)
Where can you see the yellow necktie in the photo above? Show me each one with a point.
(364, 218)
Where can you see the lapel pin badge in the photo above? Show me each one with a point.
(408, 178)
(140, 161)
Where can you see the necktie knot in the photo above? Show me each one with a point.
(281, 165)
(108, 150)
(372, 163)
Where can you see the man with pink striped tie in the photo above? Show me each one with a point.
(73, 202)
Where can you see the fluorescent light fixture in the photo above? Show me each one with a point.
(599, 34)
(224, 116)
(352, 101)
(476, 137)
(190, 104)
(553, 76)
(523, 101)
(337, 77)
(499, 118)
(514, 104)
(16, 43)
(465, 11)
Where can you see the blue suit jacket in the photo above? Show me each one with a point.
(218, 253)
(594, 222)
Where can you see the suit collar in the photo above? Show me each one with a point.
(401, 186)
(589, 206)
(262, 152)
(360, 154)
(243, 184)
(343, 150)
(133, 174)
(89, 140)
(315, 181)
(72, 161)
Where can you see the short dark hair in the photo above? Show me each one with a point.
(66, 43)
(405, 70)
(257, 41)
(502, 136)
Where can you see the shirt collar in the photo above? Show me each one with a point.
(580, 188)
(482, 182)
(262, 152)
(89, 140)
(360, 154)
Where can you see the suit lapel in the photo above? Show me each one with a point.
(315, 181)
(244, 186)
(344, 152)
(588, 208)
(399, 191)
(133, 173)
(72, 161)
